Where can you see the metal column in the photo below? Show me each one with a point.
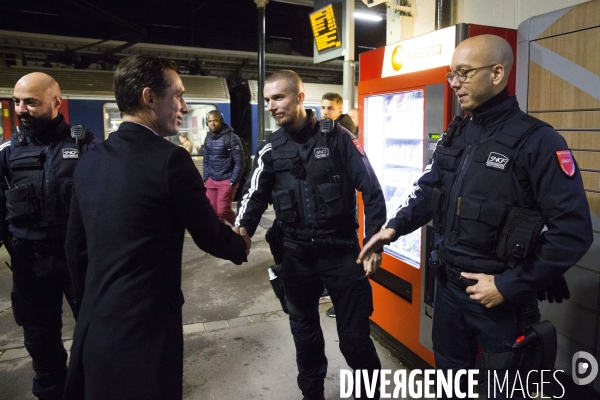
(261, 4)
(349, 57)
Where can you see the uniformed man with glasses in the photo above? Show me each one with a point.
(509, 211)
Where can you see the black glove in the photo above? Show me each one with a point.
(558, 291)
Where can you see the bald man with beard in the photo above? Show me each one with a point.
(497, 178)
(36, 171)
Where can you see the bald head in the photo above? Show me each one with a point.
(37, 98)
(40, 81)
(483, 62)
(488, 49)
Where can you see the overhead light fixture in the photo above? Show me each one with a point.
(367, 16)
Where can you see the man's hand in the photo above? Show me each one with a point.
(558, 291)
(376, 243)
(372, 263)
(243, 233)
(485, 291)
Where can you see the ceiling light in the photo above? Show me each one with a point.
(367, 16)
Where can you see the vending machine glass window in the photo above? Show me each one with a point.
(394, 142)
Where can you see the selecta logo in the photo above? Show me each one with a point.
(419, 53)
(401, 56)
(398, 58)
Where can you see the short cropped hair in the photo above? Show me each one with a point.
(333, 97)
(294, 82)
(134, 74)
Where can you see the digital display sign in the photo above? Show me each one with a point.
(325, 28)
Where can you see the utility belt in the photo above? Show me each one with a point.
(453, 274)
(43, 248)
(445, 271)
(320, 247)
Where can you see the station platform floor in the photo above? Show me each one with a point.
(237, 341)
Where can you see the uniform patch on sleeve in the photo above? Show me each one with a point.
(357, 145)
(565, 159)
(70, 154)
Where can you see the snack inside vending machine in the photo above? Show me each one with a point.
(405, 104)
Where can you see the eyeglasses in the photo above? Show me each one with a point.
(461, 75)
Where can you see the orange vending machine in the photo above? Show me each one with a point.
(405, 104)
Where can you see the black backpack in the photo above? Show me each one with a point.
(247, 165)
(247, 155)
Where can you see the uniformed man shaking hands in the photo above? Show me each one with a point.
(310, 171)
(497, 178)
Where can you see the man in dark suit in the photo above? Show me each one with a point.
(134, 196)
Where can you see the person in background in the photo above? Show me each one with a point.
(353, 113)
(223, 163)
(186, 143)
(331, 107)
(497, 178)
(38, 160)
(311, 171)
(125, 241)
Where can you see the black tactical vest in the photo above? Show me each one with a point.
(40, 181)
(316, 176)
(478, 188)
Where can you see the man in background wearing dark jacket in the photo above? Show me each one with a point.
(223, 165)
(331, 107)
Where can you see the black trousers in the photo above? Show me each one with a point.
(460, 324)
(37, 298)
(351, 295)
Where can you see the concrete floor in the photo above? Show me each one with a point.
(237, 339)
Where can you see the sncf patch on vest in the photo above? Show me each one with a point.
(70, 154)
(565, 159)
(321, 152)
(496, 161)
(357, 145)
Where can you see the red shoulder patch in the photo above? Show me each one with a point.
(565, 159)
(357, 145)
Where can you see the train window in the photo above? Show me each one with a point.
(112, 118)
(194, 123)
(271, 125)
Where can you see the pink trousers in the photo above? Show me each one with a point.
(220, 194)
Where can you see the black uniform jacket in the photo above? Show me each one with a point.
(502, 158)
(320, 205)
(40, 174)
(134, 196)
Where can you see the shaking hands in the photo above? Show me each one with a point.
(369, 256)
(244, 234)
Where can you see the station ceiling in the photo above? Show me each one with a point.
(115, 28)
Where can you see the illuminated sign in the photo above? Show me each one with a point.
(325, 28)
(432, 50)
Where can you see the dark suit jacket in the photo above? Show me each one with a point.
(134, 196)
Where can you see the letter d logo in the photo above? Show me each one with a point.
(584, 368)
